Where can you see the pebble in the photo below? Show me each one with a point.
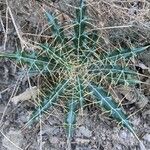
(147, 137)
(15, 137)
(123, 134)
(85, 131)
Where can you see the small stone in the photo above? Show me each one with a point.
(13, 140)
(24, 118)
(0, 96)
(2, 108)
(136, 121)
(118, 147)
(54, 140)
(82, 141)
(103, 136)
(56, 131)
(123, 134)
(147, 137)
(85, 131)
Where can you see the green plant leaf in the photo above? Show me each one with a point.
(90, 45)
(130, 80)
(123, 53)
(52, 53)
(115, 74)
(79, 28)
(25, 57)
(32, 59)
(49, 101)
(71, 118)
(58, 32)
(106, 69)
(104, 100)
(80, 93)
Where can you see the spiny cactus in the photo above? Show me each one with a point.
(77, 69)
